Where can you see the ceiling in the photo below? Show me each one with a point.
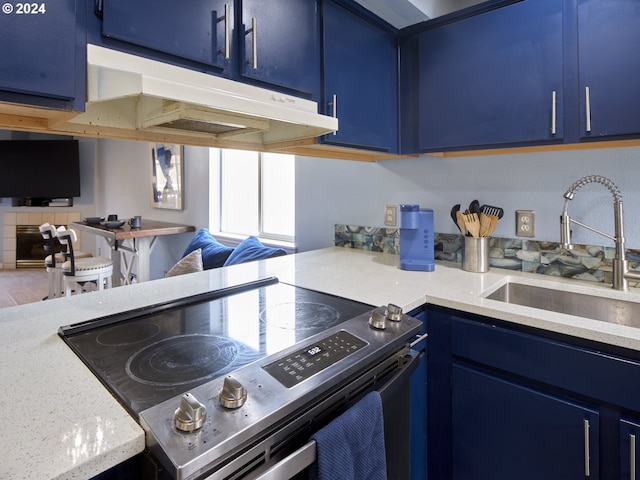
(403, 13)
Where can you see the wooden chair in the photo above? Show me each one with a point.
(83, 271)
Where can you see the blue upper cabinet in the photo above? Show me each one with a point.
(280, 44)
(267, 43)
(609, 67)
(360, 62)
(494, 78)
(201, 33)
(43, 55)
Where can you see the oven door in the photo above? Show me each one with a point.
(395, 393)
(288, 453)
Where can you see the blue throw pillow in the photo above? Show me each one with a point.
(251, 249)
(214, 254)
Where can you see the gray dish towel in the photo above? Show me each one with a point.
(351, 447)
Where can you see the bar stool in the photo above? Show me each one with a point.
(82, 271)
(53, 262)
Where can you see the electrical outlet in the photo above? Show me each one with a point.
(391, 215)
(525, 223)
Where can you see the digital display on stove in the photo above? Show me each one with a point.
(314, 358)
(315, 350)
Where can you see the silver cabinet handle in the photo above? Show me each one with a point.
(553, 112)
(587, 469)
(227, 32)
(254, 44)
(632, 457)
(334, 103)
(587, 108)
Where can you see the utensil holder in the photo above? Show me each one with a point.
(475, 254)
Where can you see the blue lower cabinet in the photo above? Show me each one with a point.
(360, 60)
(43, 54)
(419, 407)
(629, 449)
(503, 431)
(510, 402)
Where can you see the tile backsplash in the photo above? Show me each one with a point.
(583, 262)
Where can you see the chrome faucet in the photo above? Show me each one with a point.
(621, 271)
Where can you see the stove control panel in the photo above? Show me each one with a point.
(313, 358)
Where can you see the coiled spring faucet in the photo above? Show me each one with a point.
(621, 271)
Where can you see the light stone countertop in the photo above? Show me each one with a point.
(60, 422)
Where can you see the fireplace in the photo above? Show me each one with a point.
(32, 218)
(30, 251)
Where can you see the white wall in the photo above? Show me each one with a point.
(124, 188)
(330, 192)
(341, 192)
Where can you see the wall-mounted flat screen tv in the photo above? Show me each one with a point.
(39, 169)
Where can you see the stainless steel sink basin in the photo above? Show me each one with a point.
(610, 310)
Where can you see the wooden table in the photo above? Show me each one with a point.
(136, 241)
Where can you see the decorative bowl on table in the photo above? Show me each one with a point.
(93, 220)
(113, 223)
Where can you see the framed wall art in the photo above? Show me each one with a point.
(167, 182)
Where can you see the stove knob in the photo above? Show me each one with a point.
(190, 415)
(393, 313)
(378, 320)
(233, 394)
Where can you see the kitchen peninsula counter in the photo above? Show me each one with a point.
(60, 422)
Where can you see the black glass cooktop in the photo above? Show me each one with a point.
(151, 355)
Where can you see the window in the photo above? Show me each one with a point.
(253, 194)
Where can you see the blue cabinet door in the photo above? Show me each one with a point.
(629, 449)
(360, 62)
(504, 431)
(42, 52)
(609, 67)
(195, 32)
(493, 79)
(284, 48)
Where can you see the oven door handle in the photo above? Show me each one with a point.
(304, 457)
(292, 464)
(408, 364)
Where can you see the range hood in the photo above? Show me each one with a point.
(138, 98)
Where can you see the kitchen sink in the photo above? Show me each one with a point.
(606, 309)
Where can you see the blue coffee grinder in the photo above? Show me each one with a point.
(416, 238)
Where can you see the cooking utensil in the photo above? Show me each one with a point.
(492, 215)
(474, 207)
(461, 222)
(485, 224)
(454, 216)
(490, 210)
(472, 223)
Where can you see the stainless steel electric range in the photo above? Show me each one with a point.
(229, 383)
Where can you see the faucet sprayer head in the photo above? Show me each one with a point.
(565, 223)
(565, 231)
